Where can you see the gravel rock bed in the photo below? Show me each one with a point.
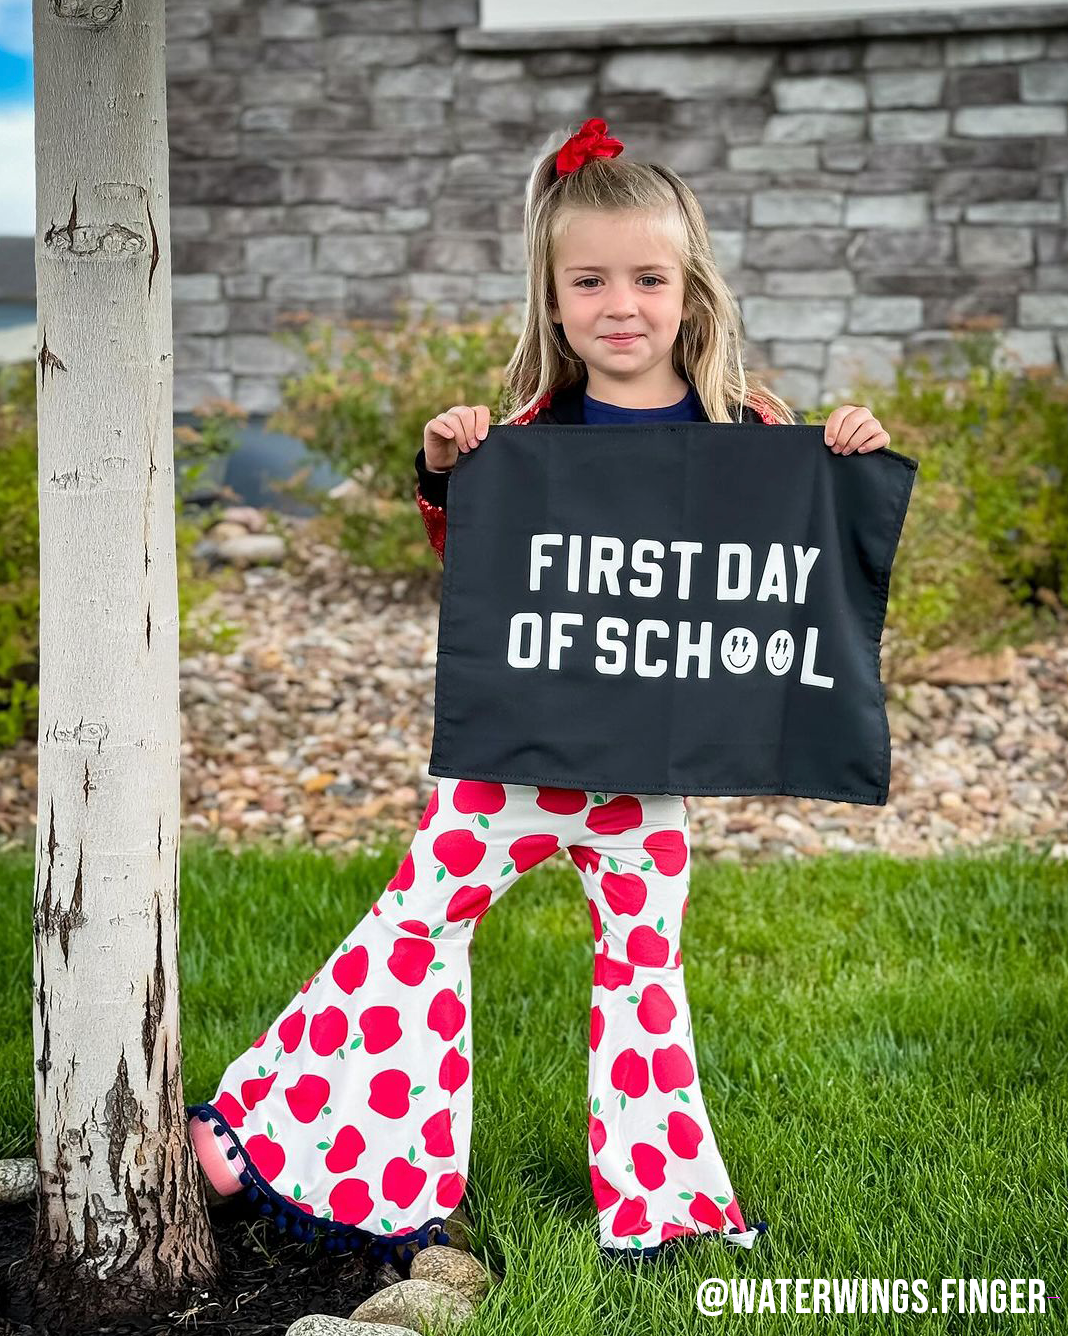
(316, 728)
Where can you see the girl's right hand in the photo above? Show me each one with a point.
(458, 428)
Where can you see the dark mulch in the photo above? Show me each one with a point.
(268, 1280)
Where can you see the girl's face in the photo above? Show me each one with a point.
(616, 274)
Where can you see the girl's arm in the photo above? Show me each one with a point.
(431, 494)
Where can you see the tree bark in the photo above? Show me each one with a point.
(122, 1223)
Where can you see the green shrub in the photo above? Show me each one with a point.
(983, 556)
(20, 541)
(361, 404)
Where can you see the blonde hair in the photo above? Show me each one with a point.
(708, 348)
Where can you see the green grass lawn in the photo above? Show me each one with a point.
(882, 1047)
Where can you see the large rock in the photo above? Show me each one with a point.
(416, 1303)
(449, 1266)
(324, 1324)
(253, 548)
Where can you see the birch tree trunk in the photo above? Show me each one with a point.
(122, 1223)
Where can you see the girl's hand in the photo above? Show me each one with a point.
(851, 428)
(458, 428)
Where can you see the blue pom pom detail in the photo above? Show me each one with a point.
(219, 1129)
(231, 1153)
(245, 1176)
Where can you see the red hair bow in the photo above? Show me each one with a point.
(589, 142)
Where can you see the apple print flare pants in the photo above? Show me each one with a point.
(350, 1116)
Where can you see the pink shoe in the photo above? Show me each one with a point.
(221, 1173)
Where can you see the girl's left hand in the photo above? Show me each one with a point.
(851, 428)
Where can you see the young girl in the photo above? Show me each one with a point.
(350, 1116)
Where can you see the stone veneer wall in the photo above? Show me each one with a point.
(867, 182)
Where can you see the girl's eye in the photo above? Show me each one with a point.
(657, 281)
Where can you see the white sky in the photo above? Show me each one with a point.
(16, 172)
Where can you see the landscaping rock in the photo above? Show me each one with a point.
(417, 1303)
(452, 1267)
(323, 1324)
(18, 1180)
(252, 549)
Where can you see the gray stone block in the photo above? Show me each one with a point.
(993, 247)
(282, 86)
(1046, 81)
(773, 158)
(811, 126)
(428, 82)
(190, 220)
(278, 254)
(685, 74)
(1000, 48)
(191, 389)
(243, 285)
(289, 21)
(188, 57)
(851, 361)
(906, 88)
(885, 315)
(805, 318)
(196, 287)
(260, 354)
(375, 49)
(909, 126)
(198, 352)
(787, 248)
(306, 288)
(361, 254)
(186, 22)
(908, 210)
(797, 208)
(1032, 119)
(916, 248)
(1043, 308)
(1015, 211)
(800, 389)
(904, 54)
(793, 354)
(820, 93)
(1019, 348)
(200, 317)
(257, 394)
(455, 254)
(809, 283)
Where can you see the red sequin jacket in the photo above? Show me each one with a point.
(563, 406)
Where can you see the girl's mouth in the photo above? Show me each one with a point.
(622, 340)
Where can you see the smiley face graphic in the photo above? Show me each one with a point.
(738, 650)
(779, 653)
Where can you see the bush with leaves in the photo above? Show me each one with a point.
(983, 557)
(195, 448)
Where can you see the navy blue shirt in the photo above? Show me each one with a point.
(688, 409)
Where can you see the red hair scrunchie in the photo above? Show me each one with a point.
(589, 142)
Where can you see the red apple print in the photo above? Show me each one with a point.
(328, 1031)
(307, 982)
(431, 809)
(648, 1164)
(610, 973)
(254, 1090)
(350, 969)
(350, 1201)
(584, 858)
(595, 919)
(437, 1133)
(564, 802)
(667, 849)
(672, 1068)
(630, 1218)
(733, 1212)
(257, 1042)
(348, 1146)
(645, 946)
(468, 902)
(683, 1135)
(453, 1070)
(624, 891)
(476, 795)
(446, 1014)
(604, 1194)
(300, 1205)
(613, 818)
(390, 1093)
(598, 1135)
(529, 850)
(267, 1155)
(630, 1073)
(415, 925)
(596, 1026)
(291, 1030)
(404, 876)
(705, 1211)
(230, 1109)
(656, 1010)
(678, 959)
(381, 1028)
(402, 1182)
(450, 1190)
(410, 959)
(670, 1230)
(306, 1096)
(459, 851)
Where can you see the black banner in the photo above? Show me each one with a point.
(686, 607)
